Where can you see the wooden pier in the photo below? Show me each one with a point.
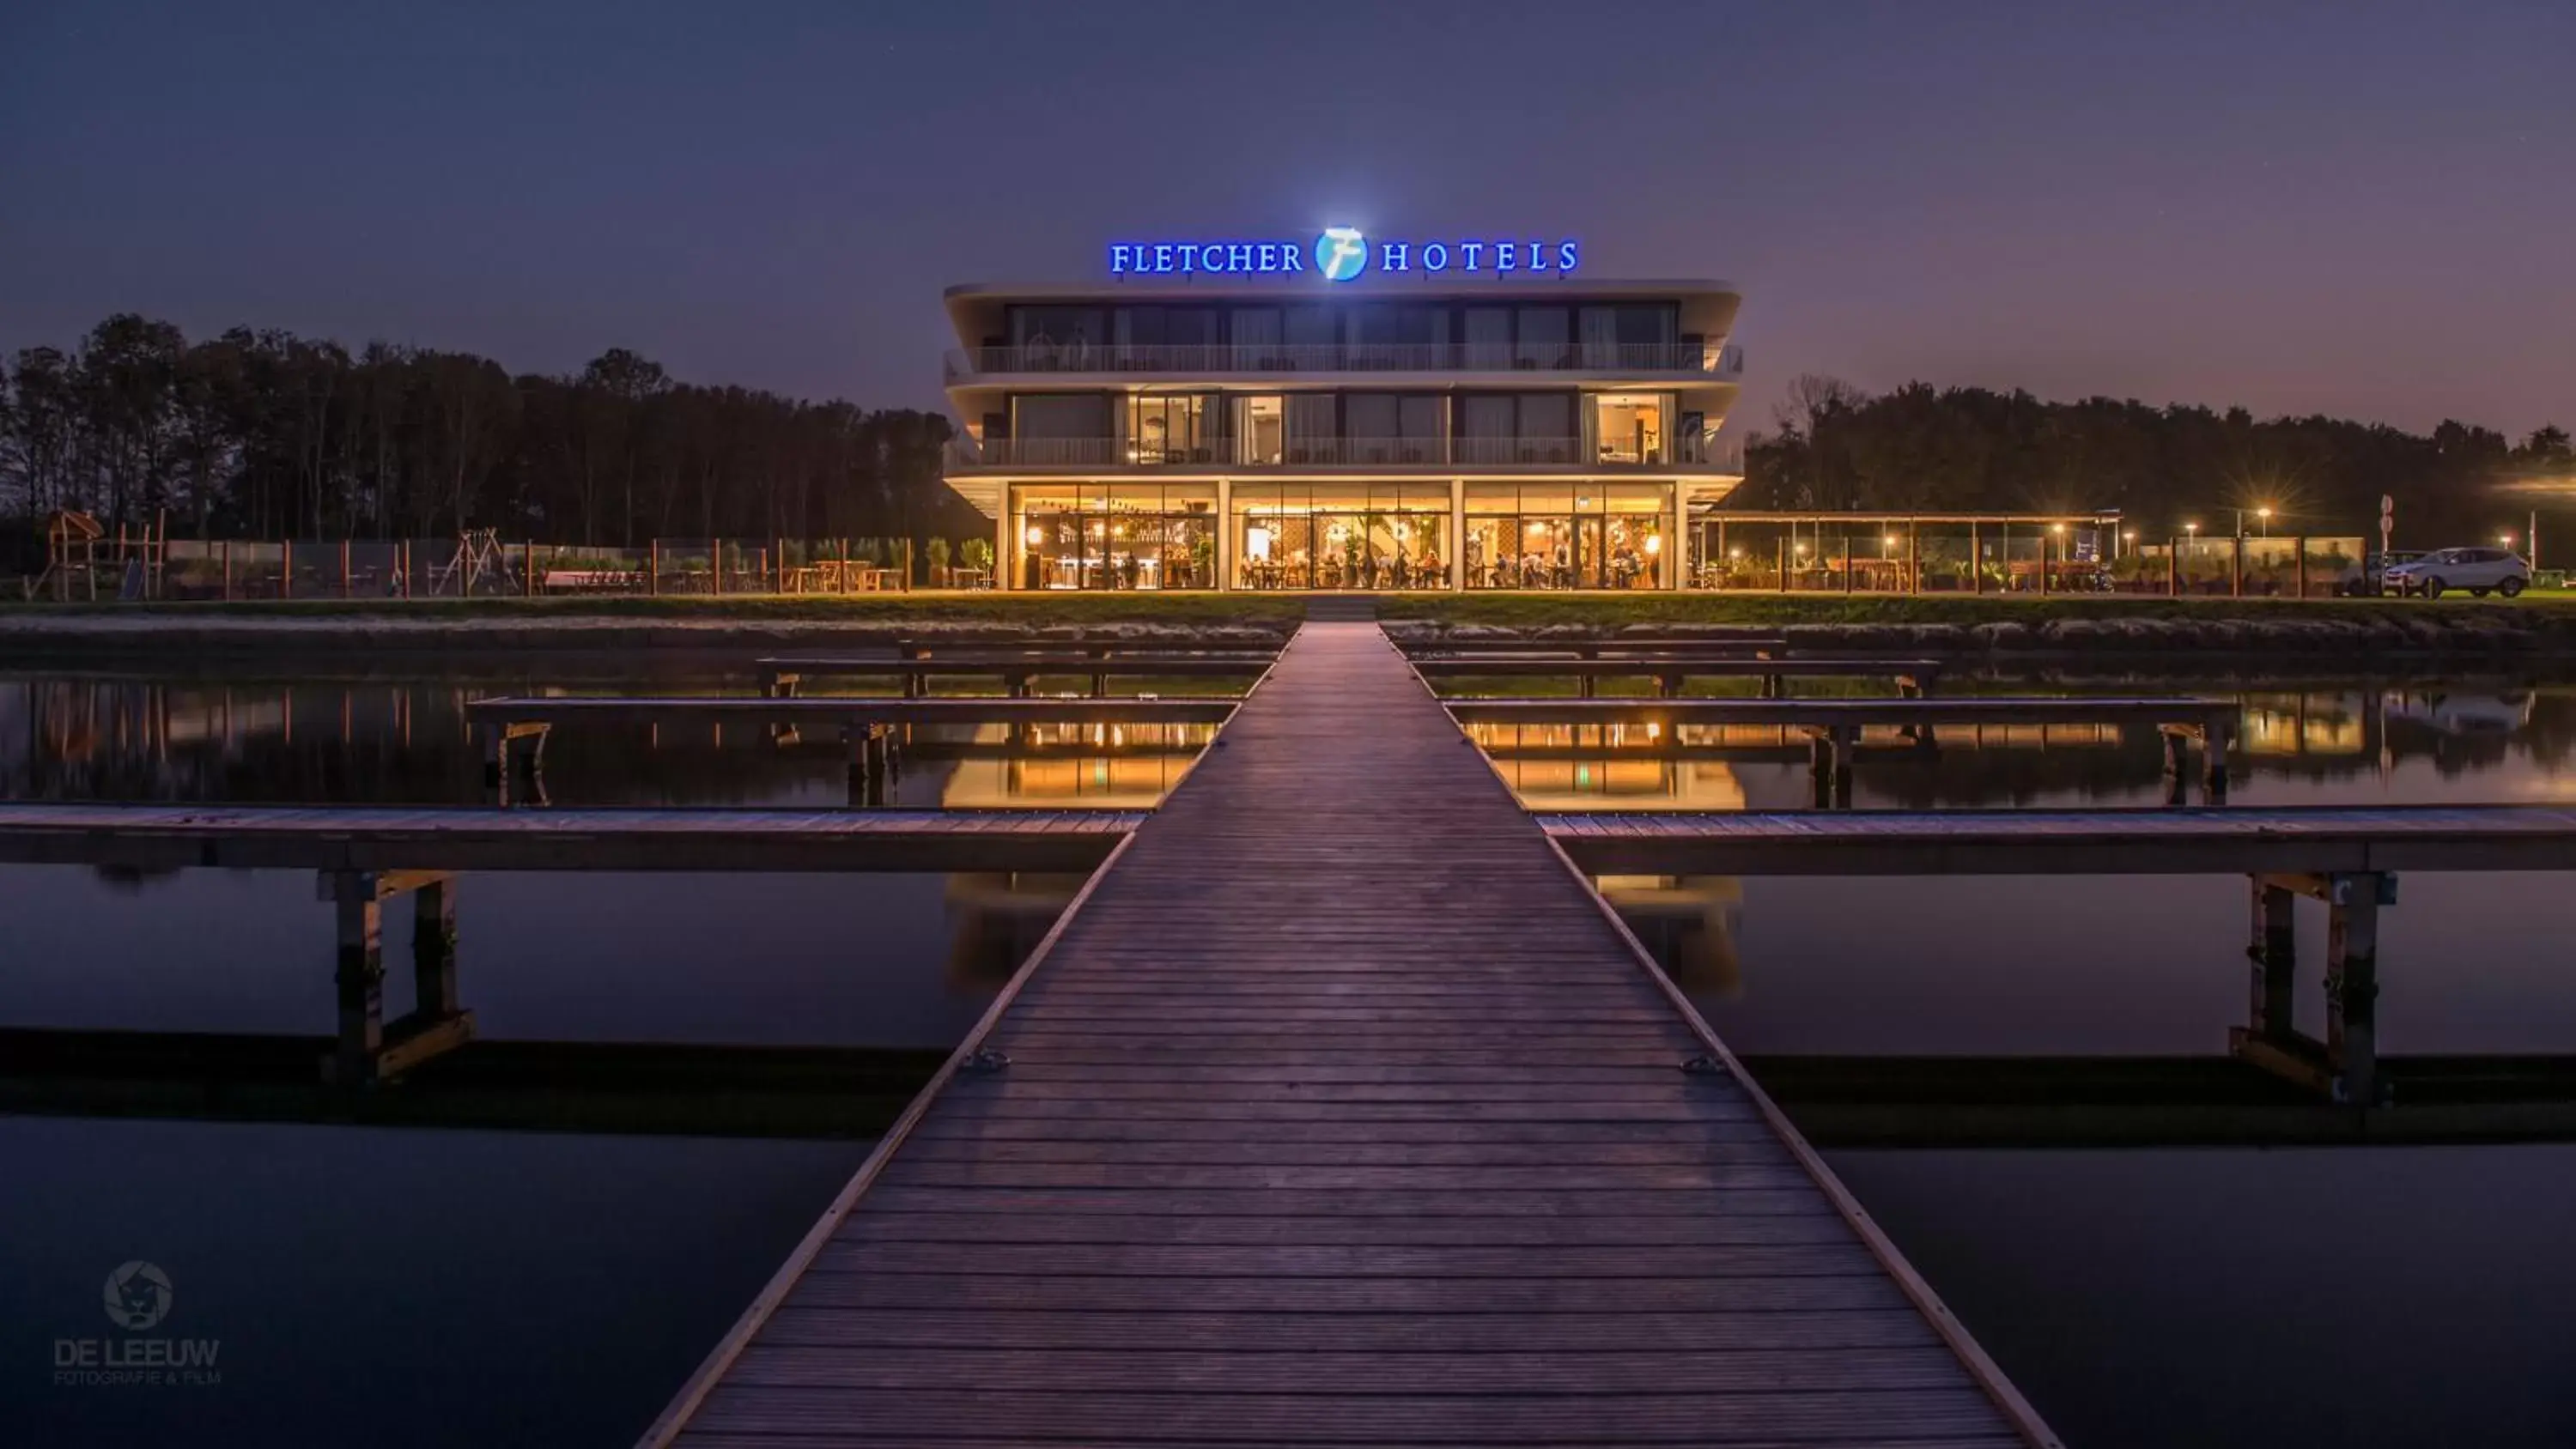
(1018, 670)
(2303, 840)
(386, 838)
(1913, 678)
(1833, 726)
(1338, 1109)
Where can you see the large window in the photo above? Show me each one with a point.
(1488, 338)
(1116, 536)
(1546, 337)
(1534, 427)
(1171, 428)
(1070, 338)
(1556, 536)
(1260, 429)
(1630, 427)
(1358, 535)
(1385, 427)
(1629, 334)
(1058, 428)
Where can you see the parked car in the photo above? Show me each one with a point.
(2481, 571)
(2369, 578)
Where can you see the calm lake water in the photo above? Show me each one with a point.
(429, 1287)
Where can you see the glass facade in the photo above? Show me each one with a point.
(1348, 462)
(1585, 535)
(1356, 535)
(1115, 535)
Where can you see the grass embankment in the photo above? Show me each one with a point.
(1031, 610)
(1621, 610)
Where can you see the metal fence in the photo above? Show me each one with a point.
(487, 567)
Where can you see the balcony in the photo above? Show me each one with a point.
(1627, 359)
(1721, 454)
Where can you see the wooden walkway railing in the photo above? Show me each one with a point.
(1338, 1109)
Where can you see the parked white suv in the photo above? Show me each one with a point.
(2478, 570)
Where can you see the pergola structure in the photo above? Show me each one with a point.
(1900, 552)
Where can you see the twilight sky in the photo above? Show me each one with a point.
(2358, 208)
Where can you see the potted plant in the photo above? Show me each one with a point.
(977, 554)
(938, 563)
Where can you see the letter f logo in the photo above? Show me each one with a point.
(1341, 253)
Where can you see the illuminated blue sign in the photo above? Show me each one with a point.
(1343, 254)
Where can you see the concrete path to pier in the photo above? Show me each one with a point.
(1339, 1110)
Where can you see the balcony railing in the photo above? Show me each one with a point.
(1695, 358)
(1723, 452)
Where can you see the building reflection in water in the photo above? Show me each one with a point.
(1689, 924)
(1094, 766)
(995, 919)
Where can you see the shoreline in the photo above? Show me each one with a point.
(1986, 630)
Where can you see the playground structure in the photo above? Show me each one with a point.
(77, 550)
(479, 559)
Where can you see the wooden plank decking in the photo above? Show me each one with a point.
(553, 709)
(1337, 1109)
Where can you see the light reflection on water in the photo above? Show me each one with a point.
(2025, 1243)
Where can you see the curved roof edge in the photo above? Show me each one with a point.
(1366, 287)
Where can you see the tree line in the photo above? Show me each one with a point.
(1920, 448)
(264, 434)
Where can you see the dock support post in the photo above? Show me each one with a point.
(1829, 753)
(433, 950)
(1019, 686)
(2213, 762)
(513, 761)
(1586, 686)
(1668, 686)
(359, 978)
(871, 751)
(2352, 984)
(2274, 952)
(2177, 757)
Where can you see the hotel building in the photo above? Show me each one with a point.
(1345, 414)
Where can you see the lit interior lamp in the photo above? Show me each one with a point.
(1036, 535)
(1654, 543)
